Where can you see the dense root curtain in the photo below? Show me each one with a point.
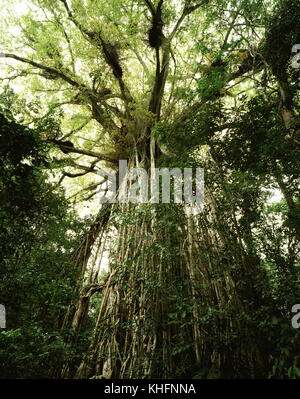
(172, 296)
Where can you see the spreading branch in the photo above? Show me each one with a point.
(75, 150)
(109, 51)
(54, 73)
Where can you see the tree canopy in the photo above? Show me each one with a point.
(159, 83)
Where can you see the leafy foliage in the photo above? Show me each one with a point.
(208, 296)
(38, 234)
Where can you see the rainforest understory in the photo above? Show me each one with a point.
(118, 290)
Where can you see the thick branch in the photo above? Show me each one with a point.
(50, 70)
(87, 169)
(83, 152)
(150, 6)
(163, 68)
(186, 11)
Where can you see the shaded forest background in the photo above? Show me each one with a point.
(210, 84)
